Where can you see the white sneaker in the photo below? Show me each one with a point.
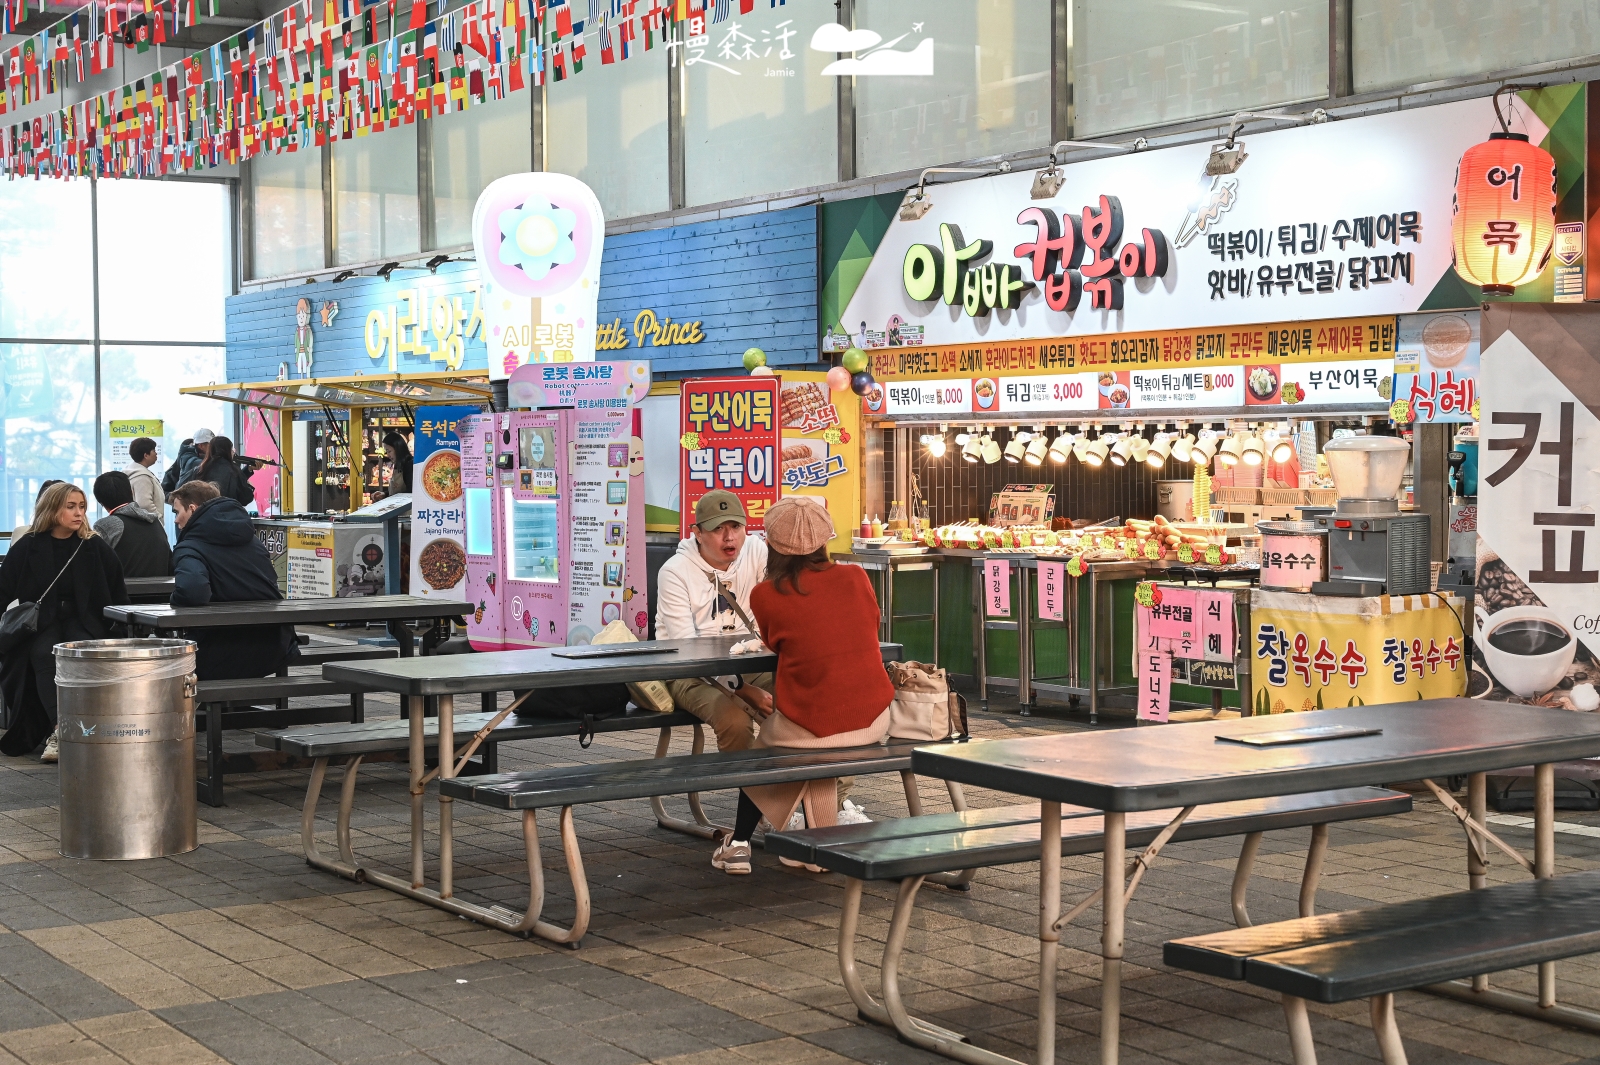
(52, 748)
(731, 856)
(851, 814)
(797, 823)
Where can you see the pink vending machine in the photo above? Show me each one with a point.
(524, 576)
(555, 521)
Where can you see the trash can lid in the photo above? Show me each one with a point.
(124, 650)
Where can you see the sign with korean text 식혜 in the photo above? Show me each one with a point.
(1535, 615)
(1216, 626)
(438, 515)
(1312, 652)
(731, 435)
(1052, 591)
(1147, 240)
(996, 588)
(1436, 367)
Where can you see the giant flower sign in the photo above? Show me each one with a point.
(537, 239)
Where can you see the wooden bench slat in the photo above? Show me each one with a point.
(1395, 947)
(378, 737)
(857, 852)
(646, 778)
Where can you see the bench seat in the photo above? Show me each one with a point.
(379, 737)
(263, 689)
(316, 655)
(1337, 957)
(647, 778)
(976, 839)
(950, 848)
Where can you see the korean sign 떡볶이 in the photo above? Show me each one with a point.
(730, 440)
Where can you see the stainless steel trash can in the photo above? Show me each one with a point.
(126, 719)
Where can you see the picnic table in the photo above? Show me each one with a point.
(1180, 767)
(440, 679)
(395, 611)
(150, 589)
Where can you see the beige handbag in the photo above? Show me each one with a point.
(924, 707)
(647, 694)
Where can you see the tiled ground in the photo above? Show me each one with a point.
(240, 952)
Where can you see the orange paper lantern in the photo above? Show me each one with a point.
(1504, 212)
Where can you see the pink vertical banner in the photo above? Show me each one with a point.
(1216, 625)
(1155, 685)
(1173, 618)
(997, 588)
(1052, 586)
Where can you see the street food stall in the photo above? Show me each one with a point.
(324, 513)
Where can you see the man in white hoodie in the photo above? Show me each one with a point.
(704, 590)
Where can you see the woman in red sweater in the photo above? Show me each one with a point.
(821, 619)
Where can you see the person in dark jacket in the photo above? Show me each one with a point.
(190, 455)
(134, 533)
(219, 560)
(59, 543)
(400, 462)
(224, 471)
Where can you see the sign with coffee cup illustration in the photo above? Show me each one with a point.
(1536, 625)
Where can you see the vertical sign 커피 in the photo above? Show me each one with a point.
(730, 439)
(438, 517)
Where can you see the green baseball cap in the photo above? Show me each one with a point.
(715, 509)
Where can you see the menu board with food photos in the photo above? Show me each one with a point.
(820, 456)
(438, 516)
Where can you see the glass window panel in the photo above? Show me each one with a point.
(1139, 63)
(375, 196)
(49, 422)
(608, 128)
(164, 282)
(142, 382)
(760, 118)
(470, 149)
(987, 93)
(288, 213)
(45, 268)
(1406, 42)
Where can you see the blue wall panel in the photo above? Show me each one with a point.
(750, 281)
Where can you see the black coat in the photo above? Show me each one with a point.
(219, 560)
(92, 581)
(139, 541)
(232, 481)
(182, 469)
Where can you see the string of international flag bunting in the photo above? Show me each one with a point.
(319, 71)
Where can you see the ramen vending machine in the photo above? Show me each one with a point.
(555, 520)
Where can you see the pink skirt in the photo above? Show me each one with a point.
(779, 801)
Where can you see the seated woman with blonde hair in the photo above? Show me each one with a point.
(831, 690)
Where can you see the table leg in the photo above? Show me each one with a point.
(419, 766)
(1477, 868)
(1113, 908)
(1024, 641)
(402, 635)
(1544, 857)
(1049, 912)
(888, 604)
(447, 769)
(1094, 647)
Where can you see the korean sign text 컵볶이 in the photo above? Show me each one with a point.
(730, 440)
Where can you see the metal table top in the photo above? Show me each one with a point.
(540, 668)
(1171, 766)
(287, 612)
(150, 588)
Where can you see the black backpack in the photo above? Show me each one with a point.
(586, 704)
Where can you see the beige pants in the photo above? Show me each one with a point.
(728, 717)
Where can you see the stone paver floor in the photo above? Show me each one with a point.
(240, 952)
